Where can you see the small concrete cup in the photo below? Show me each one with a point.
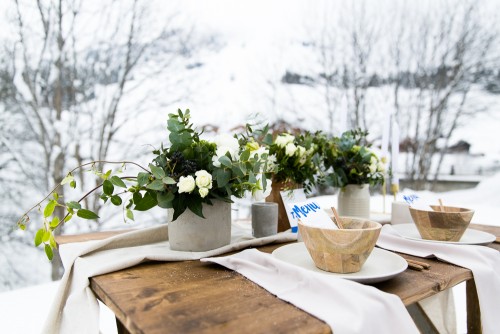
(264, 219)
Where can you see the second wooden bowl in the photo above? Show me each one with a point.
(447, 225)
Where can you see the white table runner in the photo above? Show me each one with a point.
(484, 263)
(346, 306)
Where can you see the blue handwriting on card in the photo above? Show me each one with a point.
(303, 210)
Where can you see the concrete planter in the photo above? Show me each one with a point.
(195, 234)
(354, 201)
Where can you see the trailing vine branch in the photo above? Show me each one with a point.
(25, 218)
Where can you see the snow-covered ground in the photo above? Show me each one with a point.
(16, 305)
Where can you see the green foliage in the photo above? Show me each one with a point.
(188, 173)
(297, 158)
(349, 160)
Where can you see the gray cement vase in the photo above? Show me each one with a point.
(192, 233)
(354, 201)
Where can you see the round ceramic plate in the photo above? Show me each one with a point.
(470, 237)
(381, 265)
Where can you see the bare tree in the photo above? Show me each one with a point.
(70, 88)
(450, 51)
(362, 38)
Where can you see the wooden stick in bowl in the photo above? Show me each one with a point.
(337, 218)
(441, 206)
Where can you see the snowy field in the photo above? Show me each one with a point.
(16, 305)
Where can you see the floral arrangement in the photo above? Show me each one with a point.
(188, 173)
(296, 159)
(349, 160)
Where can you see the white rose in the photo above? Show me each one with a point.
(303, 160)
(373, 165)
(290, 149)
(381, 167)
(203, 179)
(302, 151)
(227, 143)
(284, 139)
(203, 192)
(215, 161)
(271, 163)
(260, 194)
(186, 184)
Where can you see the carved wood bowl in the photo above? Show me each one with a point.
(447, 225)
(341, 250)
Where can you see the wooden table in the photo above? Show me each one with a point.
(196, 297)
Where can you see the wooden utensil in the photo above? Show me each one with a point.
(441, 206)
(417, 265)
(337, 218)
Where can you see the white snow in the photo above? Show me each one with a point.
(262, 39)
(23, 312)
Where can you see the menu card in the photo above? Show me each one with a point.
(309, 211)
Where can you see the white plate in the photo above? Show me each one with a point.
(470, 237)
(381, 265)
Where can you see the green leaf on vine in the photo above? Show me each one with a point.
(116, 200)
(67, 179)
(68, 217)
(46, 236)
(130, 214)
(39, 236)
(48, 252)
(118, 182)
(52, 241)
(55, 222)
(108, 187)
(74, 205)
(86, 214)
(49, 208)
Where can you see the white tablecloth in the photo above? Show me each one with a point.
(484, 263)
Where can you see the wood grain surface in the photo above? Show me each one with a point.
(196, 297)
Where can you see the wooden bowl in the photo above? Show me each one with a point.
(447, 225)
(343, 250)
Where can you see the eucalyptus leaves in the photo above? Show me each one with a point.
(183, 176)
(193, 171)
(349, 160)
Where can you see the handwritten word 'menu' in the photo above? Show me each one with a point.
(303, 210)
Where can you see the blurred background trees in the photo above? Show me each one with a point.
(94, 80)
(76, 79)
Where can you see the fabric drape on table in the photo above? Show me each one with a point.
(347, 307)
(75, 308)
(484, 263)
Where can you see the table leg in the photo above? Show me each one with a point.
(120, 328)
(473, 311)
